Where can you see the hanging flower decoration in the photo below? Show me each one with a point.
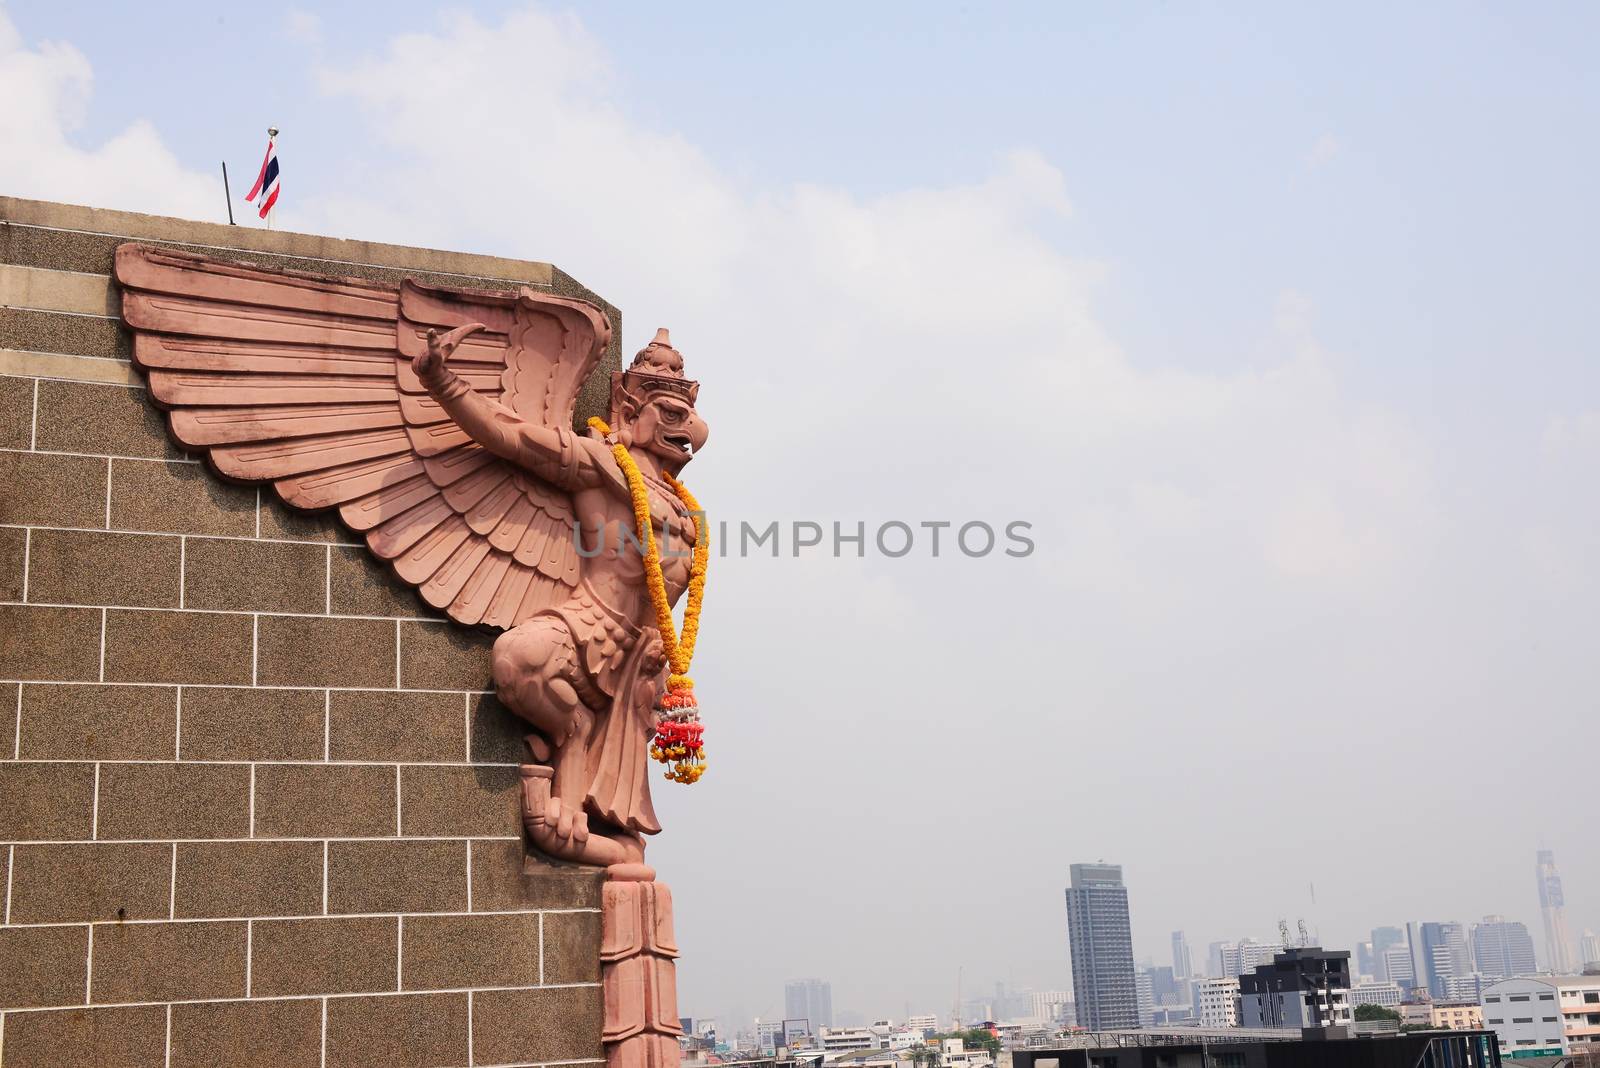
(678, 742)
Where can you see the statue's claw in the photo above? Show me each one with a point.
(560, 830)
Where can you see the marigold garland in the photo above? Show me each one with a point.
(679, 733)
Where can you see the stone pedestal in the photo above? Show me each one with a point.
(639, 975)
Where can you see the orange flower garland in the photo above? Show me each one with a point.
(679, 733)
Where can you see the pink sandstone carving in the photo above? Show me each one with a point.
(438, 422)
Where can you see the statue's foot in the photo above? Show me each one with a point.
(559, 829)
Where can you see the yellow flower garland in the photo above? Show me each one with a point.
(679, 650)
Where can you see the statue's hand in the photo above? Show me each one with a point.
(430, 364)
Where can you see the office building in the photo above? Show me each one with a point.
(1553, 910)
(1305, 986)
(1103, 983)
(1502, 948)
(1467, 987)
(1544, 1014)
(1438, 950)
(1216, 1001)
(810, 1000)
(1373, 992)
(1384, 939)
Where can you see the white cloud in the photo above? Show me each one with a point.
(303, 27)
(45, 91)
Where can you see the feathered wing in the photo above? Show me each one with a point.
(305, 381)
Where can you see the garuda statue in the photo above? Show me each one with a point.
(439, 422)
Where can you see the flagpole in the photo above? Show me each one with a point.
(226, 195)
(272, 140)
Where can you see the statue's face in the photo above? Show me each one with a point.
(669, 428)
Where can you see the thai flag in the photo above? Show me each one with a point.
(267, 181)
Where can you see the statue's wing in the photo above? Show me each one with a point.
(305, 381)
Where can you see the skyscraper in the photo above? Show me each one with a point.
(810, 1000)
(1553, 909)
(1438, 951)
(1182, 966)
(1502, 949)
(1103, 983)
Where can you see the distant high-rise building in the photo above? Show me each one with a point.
(1214, 959)
(1384, 937)
(1103, 983)
(1242, 957)
(1182, 966)
(1590, 950)
(1553, 909)
(811, 1000)
(1396, 967)
(1438, 951)
(1502, 948)
(1145, 995)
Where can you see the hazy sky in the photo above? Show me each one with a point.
(1278, 326)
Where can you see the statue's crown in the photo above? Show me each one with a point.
(658, 367)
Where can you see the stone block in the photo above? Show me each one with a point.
(79, 335)
(325, 800)
(444, 656)
(106, 881)
(504, 877)
(59, 491)
(179, 498)
(94, 722)
(452, 952)
(396, 725)
(238, 723)
(16, 412)
(398, 1031)
(100, 419)
(497, 733)
(188, 647)
(398, 876)
(42, 966)
(168, 962)
(50, 802)
(125, 1037)
(280, 521)
(361, 586)
(57, 644)
(247, 1034)
(537, 1026)
(220, 880)
(13, 553)
(571, 947)
(465, 801)
(255, 576)
(100, 568)
(173, 800)
(312, 651)
(334, 955)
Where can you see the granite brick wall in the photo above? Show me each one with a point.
(257, 806)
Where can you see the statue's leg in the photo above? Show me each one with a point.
(536, 676)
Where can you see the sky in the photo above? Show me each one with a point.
(1275, 324)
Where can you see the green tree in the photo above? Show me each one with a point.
(1375, 1012)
